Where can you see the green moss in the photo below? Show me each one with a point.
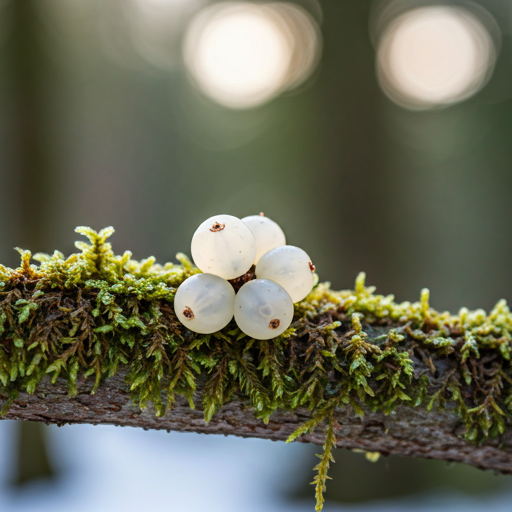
(87, 314)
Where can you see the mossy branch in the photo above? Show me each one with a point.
(93, 338)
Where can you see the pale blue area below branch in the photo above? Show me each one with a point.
(111, 469)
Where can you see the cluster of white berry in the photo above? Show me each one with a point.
(226, 248)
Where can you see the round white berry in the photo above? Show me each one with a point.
(223, 245)
(267, 233)
(289, 267)
(204, 303)
(263, 309)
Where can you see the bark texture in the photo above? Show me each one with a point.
(412, 432)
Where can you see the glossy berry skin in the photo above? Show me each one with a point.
(224, 246)
(267, 233)
(263, 309)
(204, 303)
(289, 267)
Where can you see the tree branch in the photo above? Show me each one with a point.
(94, 339)
(411, 432)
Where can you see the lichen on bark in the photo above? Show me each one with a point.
(86, 316)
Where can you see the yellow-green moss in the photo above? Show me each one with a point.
(93, 311)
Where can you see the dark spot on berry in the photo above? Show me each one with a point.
(311, 266)
(217, 227)
(188, 313)
(274, 324)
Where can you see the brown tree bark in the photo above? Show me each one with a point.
(411, 432)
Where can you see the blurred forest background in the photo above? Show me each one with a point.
(370, 156)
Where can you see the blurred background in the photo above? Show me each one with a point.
(378, 134)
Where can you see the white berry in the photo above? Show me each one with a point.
(289, 267)
(223, 245)
(267, 233)
(263, 309)
(204, 303)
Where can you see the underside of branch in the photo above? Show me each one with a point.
(93, 338)
(411, 432)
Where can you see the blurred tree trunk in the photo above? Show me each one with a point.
(28, 65)
(32, 460)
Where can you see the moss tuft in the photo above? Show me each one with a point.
(83, 316)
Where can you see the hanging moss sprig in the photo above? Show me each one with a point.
(85, 316)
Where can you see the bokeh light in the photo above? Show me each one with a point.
(242, 54)
(436, 55)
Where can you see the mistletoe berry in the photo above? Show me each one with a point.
(224, 246)
(267, 233)
(263, 309)
(204, 303)
(289, 267)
